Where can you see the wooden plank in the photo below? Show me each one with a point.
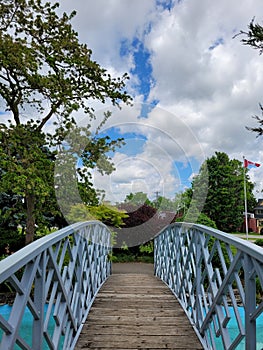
(140, 329)
(137, 311)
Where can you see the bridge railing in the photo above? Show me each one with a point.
(55, 281)
(218, 280)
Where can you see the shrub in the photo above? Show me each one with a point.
(259, 242)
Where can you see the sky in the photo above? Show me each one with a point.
(194, 86)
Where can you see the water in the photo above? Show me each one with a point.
(26, 326)
(25, 329)
(233, 331)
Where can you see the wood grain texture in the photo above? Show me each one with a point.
(137, 311)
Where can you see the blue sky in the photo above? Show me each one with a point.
(133, 150)
(144, 81)
(195, 87)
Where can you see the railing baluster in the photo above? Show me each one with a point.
(211, 282)
(61, 275)
(39, 303)
(250, 299)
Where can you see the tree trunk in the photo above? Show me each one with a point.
(30, 218)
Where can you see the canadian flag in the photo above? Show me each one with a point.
(248, 162)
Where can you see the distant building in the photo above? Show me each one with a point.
(255, 219)
(258, 216)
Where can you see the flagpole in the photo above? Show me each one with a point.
(245, 198)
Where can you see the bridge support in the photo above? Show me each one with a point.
(216, 277)
(56, 280)
(250, 303)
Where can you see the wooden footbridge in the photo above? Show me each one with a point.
(205, 291)
(137, 311)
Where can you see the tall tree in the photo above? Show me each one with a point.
(225, 196)
(74, 185)
(46, 74)
(27, 170)
(253, 37)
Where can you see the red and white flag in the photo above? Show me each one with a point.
(248, 162)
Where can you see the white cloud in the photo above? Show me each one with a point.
(207, 83)
(217, 90)
(105, 25)
(133, 174)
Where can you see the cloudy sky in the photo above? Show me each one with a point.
(195, 87)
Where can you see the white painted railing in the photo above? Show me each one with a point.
(216, 277)
(55, 280)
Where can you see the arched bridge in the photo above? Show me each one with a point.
(211, 298)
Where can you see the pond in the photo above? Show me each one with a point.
(26, 325)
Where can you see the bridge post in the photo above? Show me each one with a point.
(55, 280)
(39, 301)
(250, 303)
(198, 283)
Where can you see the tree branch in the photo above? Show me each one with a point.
(49, 115)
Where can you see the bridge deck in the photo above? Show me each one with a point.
(137, 311)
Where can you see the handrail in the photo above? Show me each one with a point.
(215, 276)
(55, 280)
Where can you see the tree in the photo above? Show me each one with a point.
(259, 129)
(108, 214)
(254, 38)
(11, 215)
(202, 219)
(182, 201)
(73, 183)
(27, 170)
(137, 215)
(137, 199)
(46, 73)
(225, 196)
(162, 203)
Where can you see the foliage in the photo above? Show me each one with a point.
(105, 213)
(225, 197)
(137, 199)
(47, 73)
(73, 183)
(108, 214)
(254, 38)
(137, 216)
(147, 248)
(259, 129)
(148, 223)
(11, 211)
(44, 64)
(27, 173)
(122, 257)
(11, 241)
(163, 203)
(140, 253)
(202, 219)
(259, 242)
